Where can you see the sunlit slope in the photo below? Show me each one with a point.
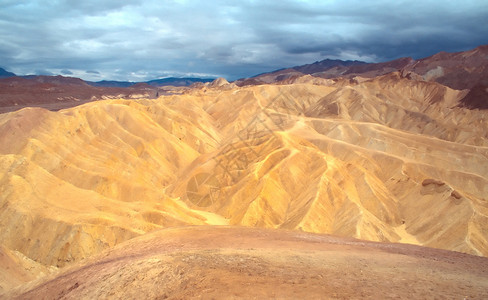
(78, 181)
(398, 162)
(301, 179)
(390, 159)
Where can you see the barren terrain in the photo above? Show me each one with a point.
(396, 159)
(243, 263)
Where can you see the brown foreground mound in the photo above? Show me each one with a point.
(234, 262)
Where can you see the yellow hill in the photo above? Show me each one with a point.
(388, 159)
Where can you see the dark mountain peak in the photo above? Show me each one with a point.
(4, 73)
(377, 69)
(324, 65)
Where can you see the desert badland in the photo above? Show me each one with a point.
(320, 181)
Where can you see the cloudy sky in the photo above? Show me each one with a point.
(140, 40)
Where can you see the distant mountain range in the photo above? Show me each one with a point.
(170, 81)
(467, 70)
(328, 69)
(459, 70)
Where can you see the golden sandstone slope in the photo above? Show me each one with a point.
(389, 159)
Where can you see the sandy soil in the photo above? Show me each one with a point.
(216, 262)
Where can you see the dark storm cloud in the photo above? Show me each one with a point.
(381, 29)
(138, 40)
